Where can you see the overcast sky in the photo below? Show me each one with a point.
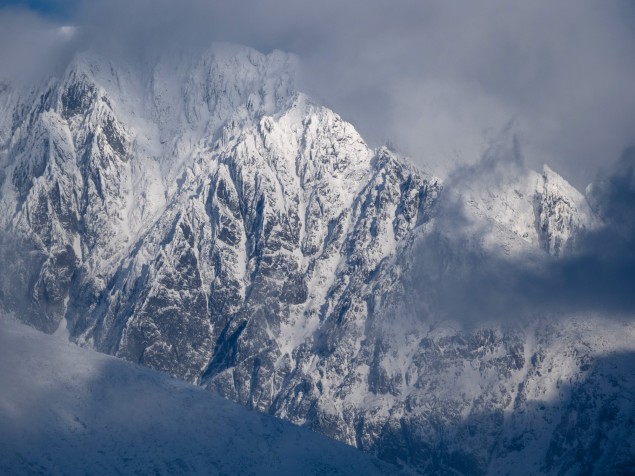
(436, 79)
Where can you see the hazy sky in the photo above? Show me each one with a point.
(437, 79)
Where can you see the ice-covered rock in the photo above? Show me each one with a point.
(203, 218)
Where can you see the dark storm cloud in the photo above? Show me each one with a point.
(439, 79)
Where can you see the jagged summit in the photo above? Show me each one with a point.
(200, 216)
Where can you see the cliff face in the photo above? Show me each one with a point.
(208, 220)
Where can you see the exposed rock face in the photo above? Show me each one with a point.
(211, 222)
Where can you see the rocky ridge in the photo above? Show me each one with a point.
(212, 222)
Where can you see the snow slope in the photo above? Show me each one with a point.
(67, 410)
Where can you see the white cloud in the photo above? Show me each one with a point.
(436, 78)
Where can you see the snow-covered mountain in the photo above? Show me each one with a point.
(67, 410)
(201, 217)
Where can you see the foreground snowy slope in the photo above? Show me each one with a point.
(67, 410)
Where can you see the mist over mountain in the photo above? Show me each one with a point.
(439, 80)
(184, 205)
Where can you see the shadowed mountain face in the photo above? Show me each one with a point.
(207, 220)
(65, 410)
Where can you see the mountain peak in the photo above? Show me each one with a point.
(200, 216)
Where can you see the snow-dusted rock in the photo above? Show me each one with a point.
(207, 220)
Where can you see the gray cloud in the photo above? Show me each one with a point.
(450, 75)
(439, 79)
(31, 46)
(458, 280)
